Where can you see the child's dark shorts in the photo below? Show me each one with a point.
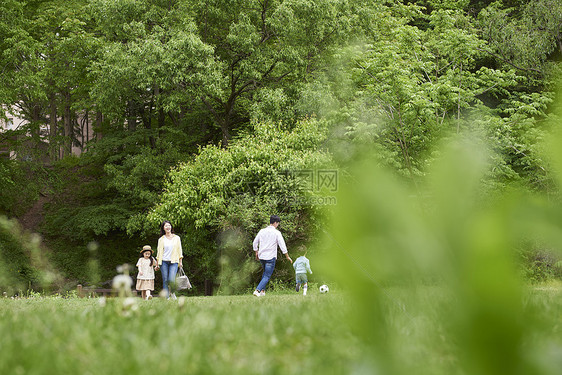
(301, 278)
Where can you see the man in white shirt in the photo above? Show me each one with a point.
(265, 248)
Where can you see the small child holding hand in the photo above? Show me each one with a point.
(145, 277)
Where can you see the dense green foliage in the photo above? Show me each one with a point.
(21, 184)
(449, 230)
(168, 102)
(24, 265)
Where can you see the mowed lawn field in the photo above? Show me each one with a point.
(287, 333)
(281, 333)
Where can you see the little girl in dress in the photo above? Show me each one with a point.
(145, 277)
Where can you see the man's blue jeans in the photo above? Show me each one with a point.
(268, 267)
(169, 271)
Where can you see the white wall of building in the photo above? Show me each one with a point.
(13, 122)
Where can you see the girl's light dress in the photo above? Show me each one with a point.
(146, 280)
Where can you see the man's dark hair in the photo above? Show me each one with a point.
(274, 219)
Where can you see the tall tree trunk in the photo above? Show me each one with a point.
(53, 128)
(86, 132)
(223, 121)
(98, 127)
(147, 118)
(67, 145)
(131, 116)
(161, 118)
(225, 126)
(161, 123)
(459, 101)
(226, 122)
(35, 119)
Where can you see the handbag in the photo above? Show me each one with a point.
(182, 281)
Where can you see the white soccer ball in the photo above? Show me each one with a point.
(324, 289)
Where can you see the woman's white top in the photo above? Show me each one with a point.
(168, 247)
(174, 255)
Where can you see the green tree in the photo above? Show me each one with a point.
(12, 30)
(47, 52)
(263, 49)
(422, 84)
(152, 68)
(408, 87)
(526, 37)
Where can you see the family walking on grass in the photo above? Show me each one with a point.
(169, 258)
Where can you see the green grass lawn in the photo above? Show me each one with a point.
(286, 334)
(281, 333)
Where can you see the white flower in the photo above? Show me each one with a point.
(181, 301)
(93, 246)
(102, 301)
(122, 282)
(130, 303)
(35, 239)
(128, 306)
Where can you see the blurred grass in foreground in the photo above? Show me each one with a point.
(277, 334)
(451, 231)
(24, 264)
